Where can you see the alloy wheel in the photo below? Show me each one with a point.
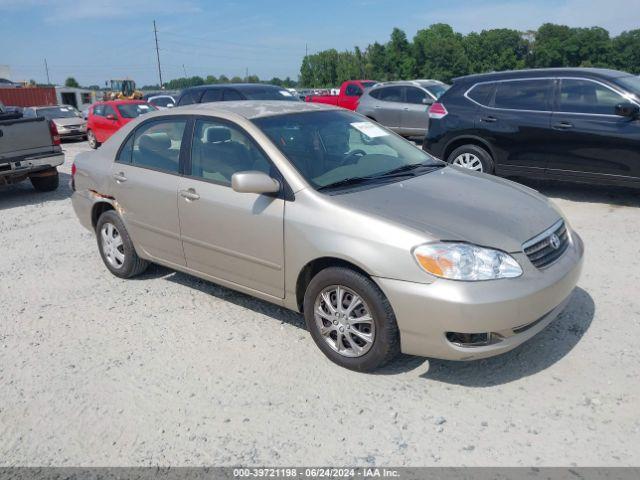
(112, 245)
(468, 160)
(344, 320)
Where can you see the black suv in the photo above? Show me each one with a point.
(234, 91)
(580, 124)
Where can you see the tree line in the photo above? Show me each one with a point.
(184, 82)
(440, 53)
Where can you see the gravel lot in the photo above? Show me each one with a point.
(170, 370)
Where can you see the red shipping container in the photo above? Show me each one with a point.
(28, 97)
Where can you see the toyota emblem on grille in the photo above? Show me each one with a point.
(554, 241)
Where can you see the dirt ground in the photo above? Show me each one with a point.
(167, 369)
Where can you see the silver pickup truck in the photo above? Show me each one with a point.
(29, 148)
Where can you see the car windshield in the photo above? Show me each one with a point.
(58, 112)
(162, 101)
(437, 90)
(631, 83)
(338, 148)
(269, 93)
(133, 110)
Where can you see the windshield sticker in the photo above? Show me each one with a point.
(369, 129)
(285, 93)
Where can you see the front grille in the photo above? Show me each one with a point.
(542, 251)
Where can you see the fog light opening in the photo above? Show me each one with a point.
(471, 339)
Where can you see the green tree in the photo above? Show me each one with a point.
(399, 63)
(496, 50)
(375, 62)
(71, 82)
(440, 53)
(626, 47)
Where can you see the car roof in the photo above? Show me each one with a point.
(415, 83)
(251, 109)
(543, 72)
(238, 86)
(118, 102)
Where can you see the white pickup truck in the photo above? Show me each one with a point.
(29, 148)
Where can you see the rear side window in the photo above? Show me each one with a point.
(390, 94)
(523, 95)
(157, 145)
(108, 110)
(482, 93)
(584, 96)
(186, 98)
(353, 90)
(212, 95)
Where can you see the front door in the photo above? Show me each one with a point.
(145, 186)
(388, 106)
(414, 113)
(236, 237)
(588, 138)
(110, 123)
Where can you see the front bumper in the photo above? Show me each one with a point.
(514, 310)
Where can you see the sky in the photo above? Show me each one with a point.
(95, 41)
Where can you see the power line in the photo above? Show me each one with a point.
(155, 33)
(46, 67)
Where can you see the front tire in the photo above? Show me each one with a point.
(116, 248)
(47, 183)
(471, 157)
(93, 141)
(351, 320)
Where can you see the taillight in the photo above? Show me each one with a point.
(73, 177)
(73, 169)
(307, 98)
(437, 110)
(55, 136)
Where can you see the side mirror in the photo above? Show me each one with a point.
(629, 109)
(427, 101)
(170, 105)
(111, 116)
(254, 182)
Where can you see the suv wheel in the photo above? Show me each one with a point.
(350, 319)
(116, 248)
(47, 183)
(93, 141)
(471, 157)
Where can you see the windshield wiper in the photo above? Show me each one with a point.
(404, 169)
(345, 182)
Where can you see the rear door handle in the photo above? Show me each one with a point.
(563, 125)
(190, 195)
(119, 177)
(489, 119)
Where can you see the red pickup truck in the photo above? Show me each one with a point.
(350, 93)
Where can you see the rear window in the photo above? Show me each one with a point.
(268, 93)
(523, 95)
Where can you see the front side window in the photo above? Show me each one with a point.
(524, 95)
(584, 96)
(332, 148)
(134, 110)
(220, 149)
(157, 145)
(415, 95)
(109, 110)
(353, 90)
(186, 99)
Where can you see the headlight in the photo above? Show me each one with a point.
(461, 261)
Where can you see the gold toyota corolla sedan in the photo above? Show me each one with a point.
(382, 247)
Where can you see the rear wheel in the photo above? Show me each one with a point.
(116, 248)
(93, 141)
(350, 319)
(471, 157)
(46, 183)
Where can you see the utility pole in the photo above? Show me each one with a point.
(46, 68)
(184, 70)
(155, 33)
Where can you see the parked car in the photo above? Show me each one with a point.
(161, 102)
(68, 120)
(350, 93)
(11, 109)
(234, 91)
(401, 105)
(106, 118)
(29, 149)
(382, 247)
(579, 124)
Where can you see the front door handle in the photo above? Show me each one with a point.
(489, 119)
(190, 195)
(119, 177)
(563, 125)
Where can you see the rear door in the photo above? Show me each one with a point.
(588, 138)
(145, 185)
(236, 237)
(389, 106)
(414, 118)
(517, 123)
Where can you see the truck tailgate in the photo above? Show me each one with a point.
(24, 137)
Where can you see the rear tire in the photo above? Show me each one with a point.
(472, 157)
(93, 141)
(364, 345)
(116, 248)
(47, 183)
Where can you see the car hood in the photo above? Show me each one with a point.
(453, 204)
(68, 122)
